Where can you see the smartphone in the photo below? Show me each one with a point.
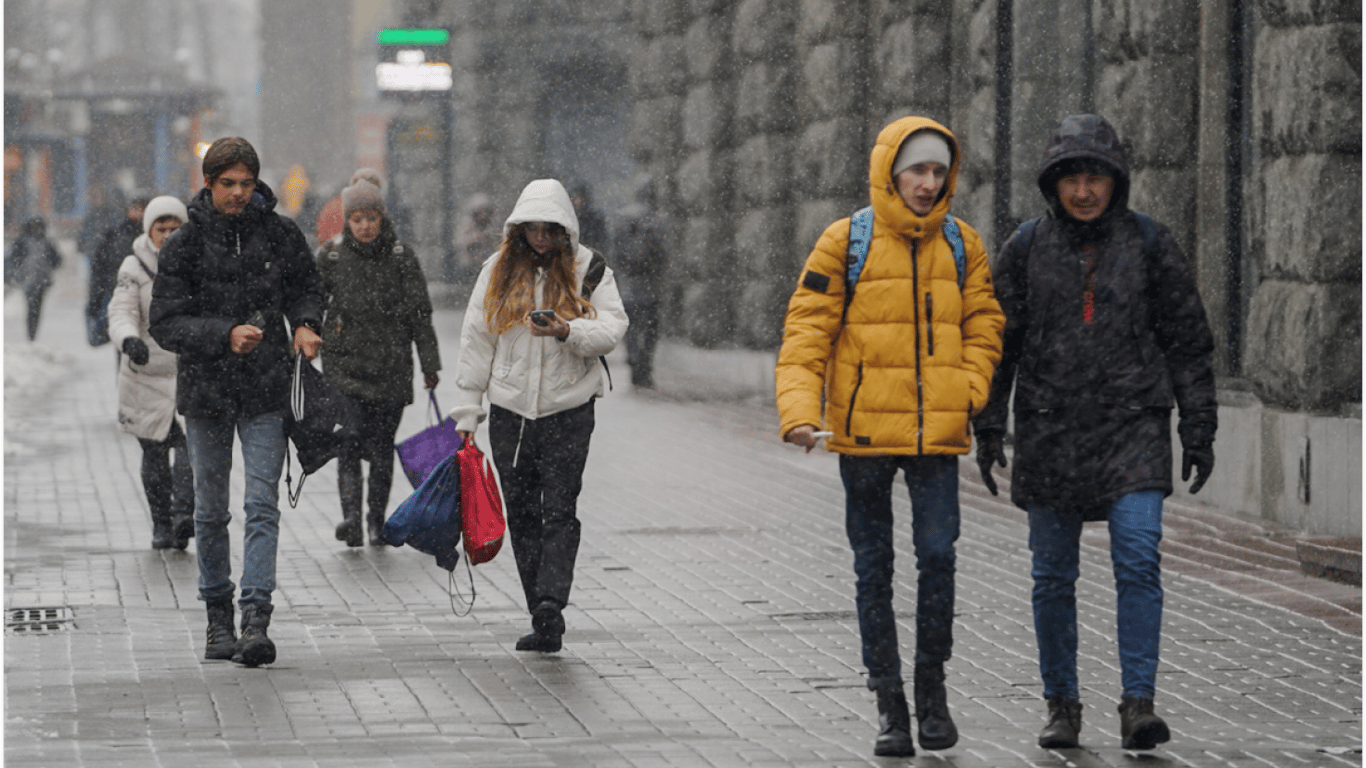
(258, 319)
(819, 435)
(542, 317)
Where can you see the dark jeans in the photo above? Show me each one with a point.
(641, 338)
(1135, 524)
(540, 463)
(933, 483)
(169, 484)
(374, 443)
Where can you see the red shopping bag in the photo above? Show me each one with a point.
(481, 505)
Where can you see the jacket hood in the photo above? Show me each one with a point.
(1083, 137)
(545, 200)
(202, 211)
(888, 206)
(146, 252)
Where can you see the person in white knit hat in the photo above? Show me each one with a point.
(147, 381)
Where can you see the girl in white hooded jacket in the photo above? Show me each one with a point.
(147, 381)
(541, 375)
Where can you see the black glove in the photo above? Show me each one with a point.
(136, 349)
(990, 449)
(1202, 458)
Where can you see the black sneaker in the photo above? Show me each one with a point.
(539, 642)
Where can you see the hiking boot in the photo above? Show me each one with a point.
(1064, 724)
(1138, 726)
(255, 649)
(182, 530)
(220, 638)
(894, 724)
(937, 730)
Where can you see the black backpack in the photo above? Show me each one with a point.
(321, 421)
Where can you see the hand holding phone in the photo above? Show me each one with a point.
(542, 317)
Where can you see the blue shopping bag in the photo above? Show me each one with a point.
(429, 519)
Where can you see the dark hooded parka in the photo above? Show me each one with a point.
(1096, 375)
(220, 271)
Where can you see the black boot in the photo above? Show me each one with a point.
(374, 523)
(220, 638)
(255, 649)
(547, 624)
(182, 529)
(349, 488)
(1138, 726)
(937, 730)
(163, 533)
(894, 723)
(1064, 724)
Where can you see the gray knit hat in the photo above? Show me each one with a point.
(362, 195)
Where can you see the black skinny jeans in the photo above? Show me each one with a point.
(374, 443)
(540, 462)
(169, 485)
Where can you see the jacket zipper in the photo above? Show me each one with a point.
(919, 383)
(853, 398)
(929, 320)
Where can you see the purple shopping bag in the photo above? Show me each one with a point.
(420, 453)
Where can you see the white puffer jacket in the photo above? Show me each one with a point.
(146, 392)
(535, 376)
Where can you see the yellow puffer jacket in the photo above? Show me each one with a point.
(913, 359)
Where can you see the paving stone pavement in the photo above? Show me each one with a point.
(712, 620)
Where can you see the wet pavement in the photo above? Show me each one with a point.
(711, 624)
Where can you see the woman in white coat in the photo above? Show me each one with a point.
(541, 374)
(147, 382)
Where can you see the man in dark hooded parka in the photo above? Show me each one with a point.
(1104, 333)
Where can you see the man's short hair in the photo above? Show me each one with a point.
(227, 152)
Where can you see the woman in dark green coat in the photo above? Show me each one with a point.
(378, 308)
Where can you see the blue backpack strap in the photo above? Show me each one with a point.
(955, 237)
(856, 253)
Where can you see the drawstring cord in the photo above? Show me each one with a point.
(518, 452)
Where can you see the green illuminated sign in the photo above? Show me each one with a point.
(414, 36)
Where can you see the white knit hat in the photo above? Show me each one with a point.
(165, 205)
(923, 146)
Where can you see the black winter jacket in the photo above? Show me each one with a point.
(1093, 400)
(217, 272)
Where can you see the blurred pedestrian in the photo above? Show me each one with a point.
(642, 267)
(228, 281)
(377, 311)
(147, 381)
(29, 264)
(592, 226)
(541, 374)
(114, 246)
(477, 236)
(1105, 329)
(893, 363)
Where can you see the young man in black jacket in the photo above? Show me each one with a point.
(1104, 332)
(228, 280)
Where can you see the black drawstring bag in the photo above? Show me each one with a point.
(321, 420)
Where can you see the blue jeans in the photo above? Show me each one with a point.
(1135, 531)
(933, 483)
(263, 457)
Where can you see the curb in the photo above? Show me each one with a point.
(1333, 559)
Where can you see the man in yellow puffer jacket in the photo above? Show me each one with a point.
(893, 377)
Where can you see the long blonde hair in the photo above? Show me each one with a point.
(511, 294)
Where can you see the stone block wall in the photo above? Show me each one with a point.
(1303, 344)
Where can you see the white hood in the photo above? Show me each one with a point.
(545, 200)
